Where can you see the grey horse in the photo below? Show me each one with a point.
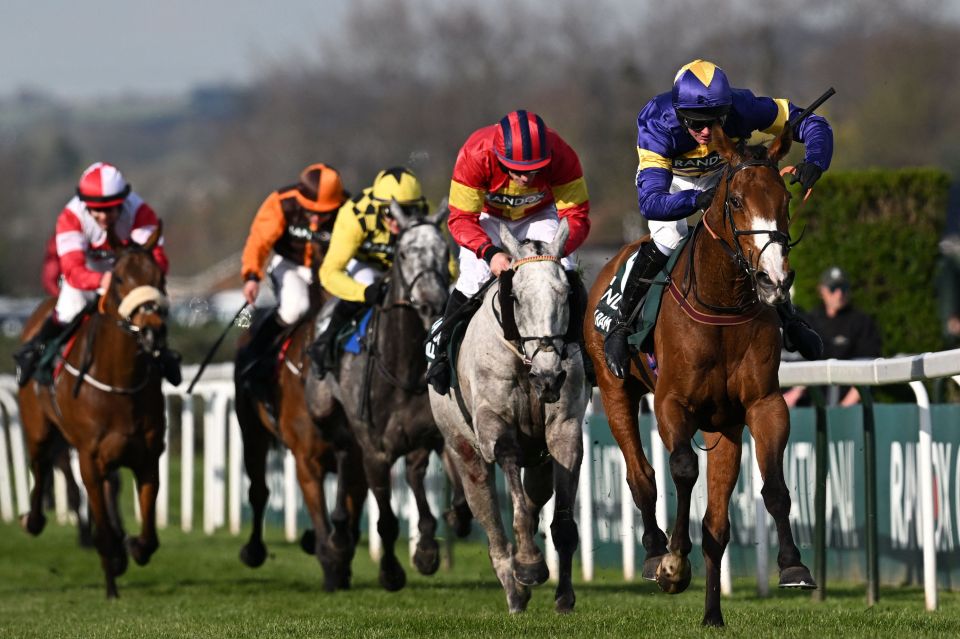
(523, 402)
(383, 389)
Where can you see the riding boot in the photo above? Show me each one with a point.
(255, 359)
(650, 261)
(321, 350)
(28, 355)
(170, 366)
(798, 336)
(578, 308)
(439, 373)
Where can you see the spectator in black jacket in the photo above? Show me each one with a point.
(847, 333)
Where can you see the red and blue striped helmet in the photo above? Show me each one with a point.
(521, 141)
(701, 85)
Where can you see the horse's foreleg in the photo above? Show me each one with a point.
(673, 573)
(427, 555)
(479, 486)
(256, 442)
(74, 499)
(113, 558)
(341, 544)
(111, 493)
(723, 469)
(310, 473)
(392, 576)
(622, 409)
(458, 516)
(566, 448)
(34, 521)
(148, 485)
(529, 565)
(769, 423)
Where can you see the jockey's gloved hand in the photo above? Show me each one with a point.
(704, 198)
(807, 174)
(374, 294)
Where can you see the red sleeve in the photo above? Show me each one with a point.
(71, 245)
(50, 275)
(570, 190)
(471, 180)
(145, 221)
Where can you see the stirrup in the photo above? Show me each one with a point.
(439, 375)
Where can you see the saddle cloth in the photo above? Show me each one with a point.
(643, 322)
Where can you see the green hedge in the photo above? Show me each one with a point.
(882, 228)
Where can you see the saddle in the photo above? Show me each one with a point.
(643, 321)
(60, 346)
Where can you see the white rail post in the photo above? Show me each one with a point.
(234, 472)
(289, 496)
(553, 559)
(18, 456)
(657, 455)
(627, 525)
(585, 491)
(60, 496)
(759, 524)
(925, 464)
(6, 494)
(163, 495)
(187, 427)
(373, 535)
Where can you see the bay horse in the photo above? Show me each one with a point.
(106, 401)
(321, 443)
(521, 405)
(717, 354)
(383, 389)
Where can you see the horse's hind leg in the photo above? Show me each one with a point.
(40, 439)
(723, 469)
(310, 475)
(479, 485)
(769, 424)
(74, 498)
(256, 442)
(427, 555)
(148, 485)
(565, 443)
(458, 517)
(622, 406)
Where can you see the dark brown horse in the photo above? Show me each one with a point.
(717, 347)
(106, 402)
(321, 443)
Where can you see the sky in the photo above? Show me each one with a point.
(92, 48)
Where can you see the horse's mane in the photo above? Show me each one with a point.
(751, 151)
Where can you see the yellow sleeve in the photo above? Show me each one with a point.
(345, 240)
(266, 229)
(783, 111)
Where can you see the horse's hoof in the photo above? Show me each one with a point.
(713, 621)
(458, 520)
(140, 553)
(308, 542)
(392, 576)
(530, 574)
(650, 565)
(518, 600)
(673, 574)
(253, 554)
(565, 602)
(798, 577)
(119, 562)
(85, 537)
(336, 568)
(427, 557)
(33, 523)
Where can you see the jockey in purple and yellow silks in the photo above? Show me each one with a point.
(679, 170)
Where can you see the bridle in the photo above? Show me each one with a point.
(511, 333)
(735, 251)
(404, 299)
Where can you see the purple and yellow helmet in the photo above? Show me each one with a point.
(701, 86)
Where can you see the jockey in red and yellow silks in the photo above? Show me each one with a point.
(522, 174)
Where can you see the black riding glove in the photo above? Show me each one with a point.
(704, 198)
(807, 174)
(374, 294)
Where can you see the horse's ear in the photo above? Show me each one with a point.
(724, 145)
(509, 241)
(781, 146)
(441, 213)
(154, 237)
(397, 212)
(560, 239)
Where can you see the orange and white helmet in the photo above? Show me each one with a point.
(102, 186)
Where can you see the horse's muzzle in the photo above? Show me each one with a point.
(770, 292)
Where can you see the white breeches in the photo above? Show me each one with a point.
(667, 235)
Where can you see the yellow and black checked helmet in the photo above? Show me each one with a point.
(401, 184)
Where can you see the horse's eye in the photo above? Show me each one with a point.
(735, 202)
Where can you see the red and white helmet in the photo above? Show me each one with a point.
(102, 186)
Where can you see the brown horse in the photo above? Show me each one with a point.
(321, 443)
(107, 403)
(717, 349)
